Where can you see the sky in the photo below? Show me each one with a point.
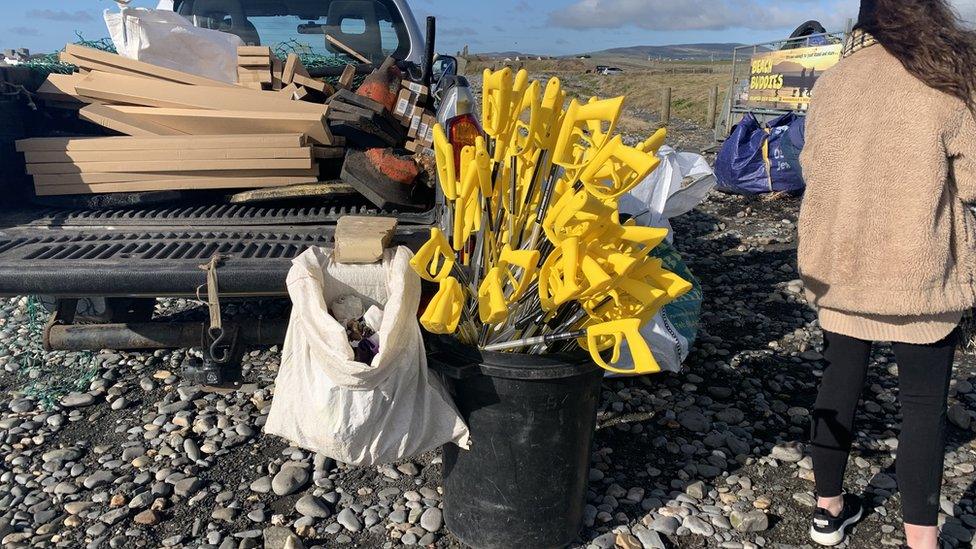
(544, 27)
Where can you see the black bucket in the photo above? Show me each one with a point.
(532, 418)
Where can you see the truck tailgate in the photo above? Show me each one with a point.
(157, 251)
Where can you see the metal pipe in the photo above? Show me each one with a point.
(155, 335)
(430, 51)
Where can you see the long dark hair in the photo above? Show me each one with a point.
(929, 39)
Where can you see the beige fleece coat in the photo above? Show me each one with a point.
(889, 163)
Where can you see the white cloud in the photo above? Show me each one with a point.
(703, 14)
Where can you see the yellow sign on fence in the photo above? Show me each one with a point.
(784, 79)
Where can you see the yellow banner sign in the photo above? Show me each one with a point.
(784, 79)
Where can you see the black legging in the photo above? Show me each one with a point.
(924, 372)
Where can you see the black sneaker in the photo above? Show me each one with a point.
(829, 530)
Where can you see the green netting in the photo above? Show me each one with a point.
(50, 63)
(48, 381)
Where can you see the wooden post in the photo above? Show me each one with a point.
(666, 106)
(712, 107)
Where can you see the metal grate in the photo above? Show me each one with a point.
(171, 246)
(213, 215)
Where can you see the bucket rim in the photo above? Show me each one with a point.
(458, 361)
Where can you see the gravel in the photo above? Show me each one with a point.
(128, 454)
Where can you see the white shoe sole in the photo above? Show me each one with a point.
(830, 540)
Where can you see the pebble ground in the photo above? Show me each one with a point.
(110, 449)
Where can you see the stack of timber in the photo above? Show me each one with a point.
(87, 165)
(145, 101)
(276, 133)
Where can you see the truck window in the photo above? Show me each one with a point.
(374, 28)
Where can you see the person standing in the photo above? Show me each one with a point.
(887, 248)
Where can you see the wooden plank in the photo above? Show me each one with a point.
(277, 66)
(87, 66)
(323, 189)
(254, 61)
(293, 66)
(48, 157)
(61, 87)
(112, 119)
(169, 185)
(281, 141)
(141, 67)
(326, 153)
(288, 91)
(163, 166)
(337, 43)
(348, 75)
(313, 84)
(264, 51)
(138, 91)
(121, 177)
(249, 77)
(207, 122)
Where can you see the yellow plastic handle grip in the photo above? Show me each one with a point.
(496, 101)
(467, 208)
(553, 100)
(483, 165)
(617, 169)
(492, 305)
(435, 259)
(578, 214)
(528, 122)
(446, 170)
(443, 314)
(614, 335)
(527, 261)
(585, 127)
(654, 142)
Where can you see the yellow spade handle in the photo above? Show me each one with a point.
(622, 331)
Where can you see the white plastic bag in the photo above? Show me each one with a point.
(167, 39)
(664, 195)
(675, 188)
(355, 413)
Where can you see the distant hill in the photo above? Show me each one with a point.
(509, 55)
(680, 51)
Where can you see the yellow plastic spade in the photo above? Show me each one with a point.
(435, 259)
(443, 314)
(617, 169)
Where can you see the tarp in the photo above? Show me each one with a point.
(759, 159)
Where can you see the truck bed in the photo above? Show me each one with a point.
(157, 251)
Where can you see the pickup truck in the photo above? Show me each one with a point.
(127, 255)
